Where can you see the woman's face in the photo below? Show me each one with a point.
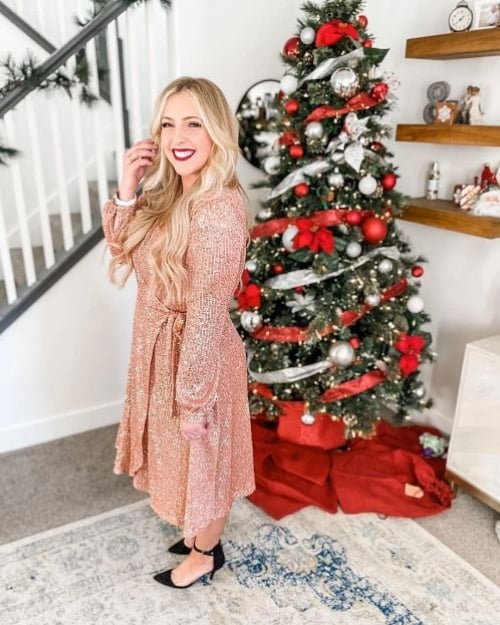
(184, 140)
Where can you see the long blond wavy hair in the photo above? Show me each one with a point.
(163, 202)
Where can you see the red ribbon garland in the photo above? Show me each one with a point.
(359, 385)
(294, 334)
(358, 102)
(331, 217)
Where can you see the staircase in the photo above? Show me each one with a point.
(71, 156)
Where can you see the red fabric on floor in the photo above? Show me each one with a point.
(288, 478)
(368, 477)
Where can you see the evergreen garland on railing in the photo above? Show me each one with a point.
(26, 71)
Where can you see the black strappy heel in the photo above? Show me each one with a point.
(217, 553)
(180, 548)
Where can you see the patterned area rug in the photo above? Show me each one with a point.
(310, 568)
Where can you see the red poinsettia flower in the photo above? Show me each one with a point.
(332, 32)
(312, 236)
(410, 347)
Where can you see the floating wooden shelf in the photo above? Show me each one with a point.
(458, 134)
(446, 215)
(473, 43)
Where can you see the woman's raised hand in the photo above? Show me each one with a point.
(135, 162)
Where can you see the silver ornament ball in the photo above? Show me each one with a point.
(353, 249)
(341, 353)
(419, 391)
(289, 84)
(308, 419)
(264, 213)
(251, 265)
(415, 304)
(385, 266)
(288, 236)
(345, 82)
(307, 35)
(250, 321)
(271, 165)
(367, 185)
(314, 130)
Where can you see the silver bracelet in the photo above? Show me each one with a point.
(124, 203)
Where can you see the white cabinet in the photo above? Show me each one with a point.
(474, 453)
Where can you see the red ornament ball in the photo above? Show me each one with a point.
(376, 146)
(367, 43)
(379, 91)
(296, 151)
(298, 289)
(417, 271)
(354, 342)
(288, 137)
(278, 269)
(301, 190)
(389, 181)
(292, 106)
(363, 21)
(374, 230)
(354, 218)
(291, 47)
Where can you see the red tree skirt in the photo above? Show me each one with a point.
(363, 476)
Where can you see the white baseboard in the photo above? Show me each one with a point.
(23, 435)
(434, 418)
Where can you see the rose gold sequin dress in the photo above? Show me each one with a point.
(188, 363)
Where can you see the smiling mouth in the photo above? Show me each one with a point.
(183, 155)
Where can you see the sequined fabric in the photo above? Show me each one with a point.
(188, 363)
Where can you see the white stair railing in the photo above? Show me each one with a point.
(70, 155)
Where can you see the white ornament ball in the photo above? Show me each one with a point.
(314, 130)
(250, 321)
(353, 249)
(341, 353)
(336, 179)
(289, 84)
(373, 299)
(307, 35)
(307, 418)
(415, 304)
(251, 265)
(288, 236)
(264, 213)
(385, 266)
(271, 165)
(367, 185)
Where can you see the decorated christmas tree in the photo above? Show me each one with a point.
(329, 306)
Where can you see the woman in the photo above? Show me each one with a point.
(185, 431)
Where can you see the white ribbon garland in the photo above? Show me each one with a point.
(324, 69)
(302, 277)
(291, 374)
(299, 175)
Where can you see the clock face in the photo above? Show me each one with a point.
(460, 18)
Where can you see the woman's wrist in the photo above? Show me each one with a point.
(124, 199)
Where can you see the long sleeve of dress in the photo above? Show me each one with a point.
(114, 220)
(216, 246)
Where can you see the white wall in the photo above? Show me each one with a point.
(47, 392)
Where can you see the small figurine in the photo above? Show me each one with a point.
(488, 178)
(475, 107)
(463, 113)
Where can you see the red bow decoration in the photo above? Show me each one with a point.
(250, 295)
(332, 32)
(410, 347)
(312, 236)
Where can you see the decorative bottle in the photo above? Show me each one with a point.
(433, 182)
